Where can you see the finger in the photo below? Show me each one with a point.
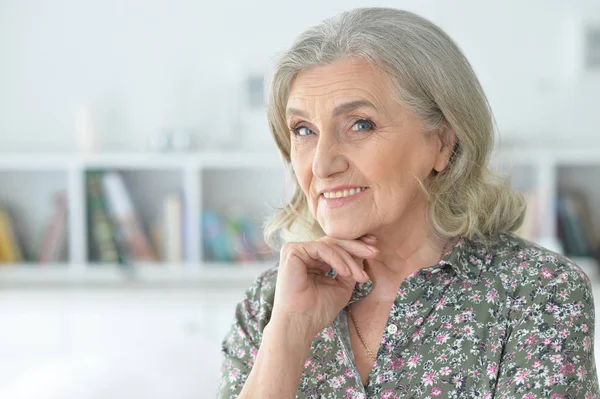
(354, 247)
(368, 239)
(321, 256)
(357, 269)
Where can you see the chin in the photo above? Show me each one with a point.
(348, 232)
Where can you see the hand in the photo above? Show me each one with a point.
(304, 296)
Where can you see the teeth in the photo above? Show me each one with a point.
(343, 193)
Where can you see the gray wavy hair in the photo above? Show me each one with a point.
(432, 77)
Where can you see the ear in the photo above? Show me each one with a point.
(447, 139)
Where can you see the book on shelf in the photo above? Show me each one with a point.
(575, 223)
(232, 237)
(169, 230)
(10, 247)
(172, 229)
(115, 230)
(102, 243)
(127, 226)
(54, 236)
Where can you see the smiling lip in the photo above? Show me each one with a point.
(338, 202)
(338, 188)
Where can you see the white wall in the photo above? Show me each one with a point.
(146, 65)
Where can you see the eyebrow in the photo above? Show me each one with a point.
(340, 109)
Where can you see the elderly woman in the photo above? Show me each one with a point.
(399, 276)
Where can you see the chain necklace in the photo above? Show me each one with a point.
(373, 358)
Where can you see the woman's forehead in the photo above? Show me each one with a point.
(338, 82)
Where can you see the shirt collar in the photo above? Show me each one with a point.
(461, 257)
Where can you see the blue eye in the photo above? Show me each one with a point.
(299, 129)
(364, 124)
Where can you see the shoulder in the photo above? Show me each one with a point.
(528, 269)
(257, 303)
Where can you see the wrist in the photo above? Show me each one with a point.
(295, 329)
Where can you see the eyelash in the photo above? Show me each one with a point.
(361, 120)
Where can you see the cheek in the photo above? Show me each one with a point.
(302, 170)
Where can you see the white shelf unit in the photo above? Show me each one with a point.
(545, 171)
(252, 181)
(208, 180)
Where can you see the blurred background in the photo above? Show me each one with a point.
(136, 169)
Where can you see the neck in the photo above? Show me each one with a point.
(403, 250)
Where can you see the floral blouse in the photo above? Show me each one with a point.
(504, 320)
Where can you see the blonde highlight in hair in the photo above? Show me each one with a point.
(429, 74)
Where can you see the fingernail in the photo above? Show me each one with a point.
(373, 249)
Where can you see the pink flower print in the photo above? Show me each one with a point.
(492, 295)
(557, 396)
(521, 376)
(529, 396)
(564, 333)
(337, 382)
(417, 334)
(530, 340)
(581, 373)
(440, 303)
(442, 338)
(546, 273)
(551, 307)
(428, 379)
(468, 331)
(563, 294)
(547, 341)
(398, 363)
(350, 393)
(348, 373)
(584, 328)
(435, 391)
(492, 371)
(308, 362)
(537, 364)
(328, 334)
(523, 265)
(387, 394)
(445, 371)
(234, 375)
(556, 358)
(568, 368)
(413, 361)
(587, 344)
(320, 377)
(457, 380)
(557, 345)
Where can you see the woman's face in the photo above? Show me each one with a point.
(347, 130)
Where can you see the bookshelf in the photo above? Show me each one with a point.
(253, 182)
(544, 173)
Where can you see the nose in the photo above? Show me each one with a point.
(329, 158)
